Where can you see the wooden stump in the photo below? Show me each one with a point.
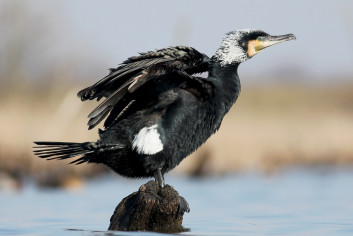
(150, 209)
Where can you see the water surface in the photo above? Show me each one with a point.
(291, 203)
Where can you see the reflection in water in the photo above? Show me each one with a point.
(301, 202)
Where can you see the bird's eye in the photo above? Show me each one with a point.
(260, 39)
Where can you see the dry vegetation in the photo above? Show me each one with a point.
(268, 128)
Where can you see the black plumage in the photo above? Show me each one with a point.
(158, 110)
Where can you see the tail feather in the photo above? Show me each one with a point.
(65, 150)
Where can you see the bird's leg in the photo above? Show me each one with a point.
(159, 177)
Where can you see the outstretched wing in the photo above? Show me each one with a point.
(123, 82)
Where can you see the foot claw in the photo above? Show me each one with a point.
(184, 205)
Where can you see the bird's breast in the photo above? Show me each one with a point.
(186, 132)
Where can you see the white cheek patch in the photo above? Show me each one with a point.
(229, 51)
(147, 141)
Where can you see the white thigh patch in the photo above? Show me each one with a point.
(147, 141)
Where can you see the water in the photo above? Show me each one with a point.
(291, 203)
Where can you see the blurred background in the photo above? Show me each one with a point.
(295, 109)
(281, 162)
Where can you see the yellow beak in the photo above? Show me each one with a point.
(266, 41)
(255, 46)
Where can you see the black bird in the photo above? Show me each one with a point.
(158, 110)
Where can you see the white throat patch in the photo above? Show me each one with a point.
(147, 141)
(230, 51)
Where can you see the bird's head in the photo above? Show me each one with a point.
(241, 45)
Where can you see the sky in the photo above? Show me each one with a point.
(109, 31)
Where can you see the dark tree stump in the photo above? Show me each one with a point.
(150, 209)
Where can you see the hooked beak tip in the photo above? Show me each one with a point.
(292, 37)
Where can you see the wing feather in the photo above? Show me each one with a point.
(131, 76)
(109, 102)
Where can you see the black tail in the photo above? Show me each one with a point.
(65, 150)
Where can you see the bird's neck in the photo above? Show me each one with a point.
(227, 85)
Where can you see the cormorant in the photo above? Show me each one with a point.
(158, 110)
